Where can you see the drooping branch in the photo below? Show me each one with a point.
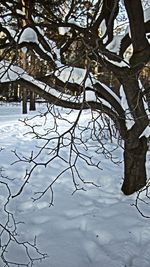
(61, 86)
(101, 91)
(54, 92)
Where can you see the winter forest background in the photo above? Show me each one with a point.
(75, 133)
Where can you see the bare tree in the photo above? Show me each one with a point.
(78, 40)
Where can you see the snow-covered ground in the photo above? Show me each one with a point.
(97, 227)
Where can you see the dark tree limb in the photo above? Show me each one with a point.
(135, 101)
(141, 50)
(116, 113)
(110, 9)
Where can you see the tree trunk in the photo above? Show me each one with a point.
(32, 101)
(24, 101)
(135, 169)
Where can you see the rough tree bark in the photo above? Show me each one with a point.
(135, 147)
(134, 167)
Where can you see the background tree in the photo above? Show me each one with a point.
(78, 39)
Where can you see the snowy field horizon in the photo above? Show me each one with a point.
(98, 226)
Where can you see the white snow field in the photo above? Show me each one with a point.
(98, 227)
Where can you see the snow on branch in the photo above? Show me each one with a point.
(28, 35)
(10, 73)
(95, 96)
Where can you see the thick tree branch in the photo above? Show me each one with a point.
(141, 50)
(137, 109)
